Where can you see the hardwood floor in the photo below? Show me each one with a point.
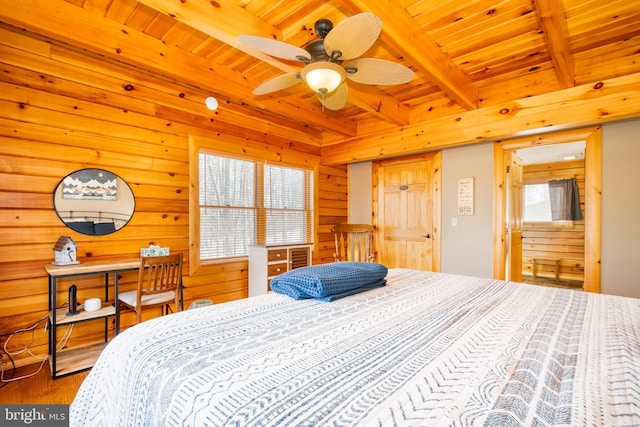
(547, 281)
(40, 388)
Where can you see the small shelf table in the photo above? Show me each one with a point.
(555, 262)
(68, 361)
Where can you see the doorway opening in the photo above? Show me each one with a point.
(553, 215)
(503, 255)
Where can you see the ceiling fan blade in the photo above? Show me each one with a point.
(336, 99)
(353, 36)
(374, 71)
(276, 48)
(280, 82)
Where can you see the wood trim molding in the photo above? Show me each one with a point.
(593, 198)
(593, 211)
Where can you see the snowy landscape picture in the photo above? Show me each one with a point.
(90, 184)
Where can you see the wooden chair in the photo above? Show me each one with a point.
(159, 285)
(354, 242)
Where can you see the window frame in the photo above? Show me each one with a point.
(197, 144)
(542, 225)
(264, 211)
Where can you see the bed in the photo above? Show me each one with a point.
(425, 349)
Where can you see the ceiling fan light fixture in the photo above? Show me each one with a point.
(323, 76)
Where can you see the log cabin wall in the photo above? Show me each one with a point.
(563, 240)
(63, 110)
(334, 209)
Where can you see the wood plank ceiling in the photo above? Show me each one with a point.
(466, 54)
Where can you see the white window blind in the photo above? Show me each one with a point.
(245, 202)
(288, 199)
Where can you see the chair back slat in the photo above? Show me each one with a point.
(354, 242)
(160, 274)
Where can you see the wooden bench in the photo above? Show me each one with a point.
(555, 262)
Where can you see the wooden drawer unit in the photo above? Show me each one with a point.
(266, 262)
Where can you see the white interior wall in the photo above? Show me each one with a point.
(360, 197)
(620, 208)
(467, 246)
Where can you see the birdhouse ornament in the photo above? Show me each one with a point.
(65, 251)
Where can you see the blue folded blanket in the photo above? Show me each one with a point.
(328, 282)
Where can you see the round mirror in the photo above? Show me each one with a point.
(94, 202)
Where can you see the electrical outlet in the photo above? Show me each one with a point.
(454, 222)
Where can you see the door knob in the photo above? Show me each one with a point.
(428, 236)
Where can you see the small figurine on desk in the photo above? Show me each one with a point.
(65, 251)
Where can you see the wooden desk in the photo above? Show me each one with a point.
(65, 362)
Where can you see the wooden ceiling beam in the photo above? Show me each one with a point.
(401, 32)
(93, 32)
(226, 21)
(553, 21)
(223, 20)
(586, 105)
(381, 105)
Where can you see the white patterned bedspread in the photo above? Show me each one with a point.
(427, 349)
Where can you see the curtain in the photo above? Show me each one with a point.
(565, 200)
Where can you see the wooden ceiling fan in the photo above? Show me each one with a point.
(324, 72)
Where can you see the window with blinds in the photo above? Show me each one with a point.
(245, 202)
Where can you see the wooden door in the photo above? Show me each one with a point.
(515, 200)
(405, 206)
